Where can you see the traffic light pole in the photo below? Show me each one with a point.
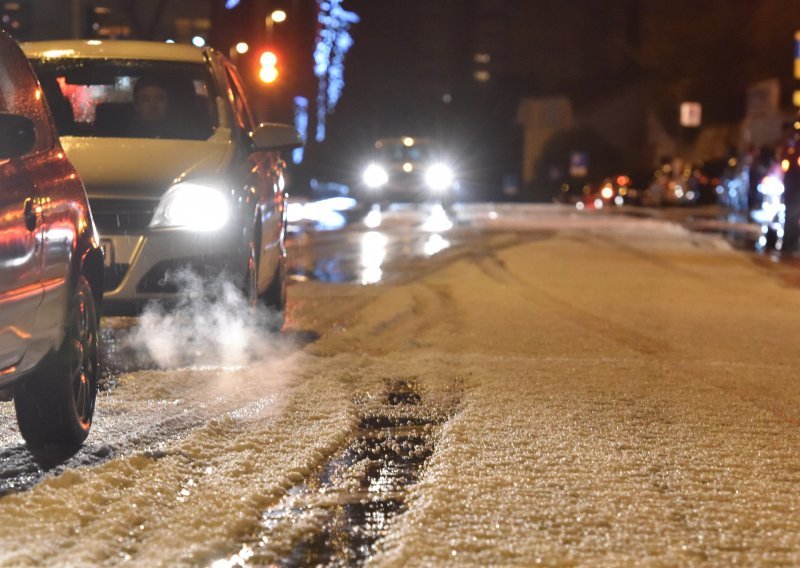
(77, 18)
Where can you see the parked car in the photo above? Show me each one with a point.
(178, 172)
(610, 192)
(673, 184)
(717, 181)
(51, 269)
(408, 169)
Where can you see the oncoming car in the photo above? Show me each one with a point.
(51, 269)
(408, 169)
(178, 172)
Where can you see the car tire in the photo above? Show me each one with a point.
(55, 405)
(250, 288)
(275, 296)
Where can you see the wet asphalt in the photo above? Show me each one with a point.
(353, 497)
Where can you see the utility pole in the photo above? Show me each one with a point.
(76, 18)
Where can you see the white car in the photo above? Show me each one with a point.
(178, 172)
(408, 169)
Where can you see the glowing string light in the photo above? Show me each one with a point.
(332, 44)
(301, 124)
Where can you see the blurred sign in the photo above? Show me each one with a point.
(579, 164)
(763, 98)
(797, 55)
(691, 114)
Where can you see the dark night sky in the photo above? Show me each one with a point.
(408, 54)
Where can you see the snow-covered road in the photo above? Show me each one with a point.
(552, 387)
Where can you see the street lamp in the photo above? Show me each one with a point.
(276, 17)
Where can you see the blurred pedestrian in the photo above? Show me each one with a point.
(761, 161)
(790, 163)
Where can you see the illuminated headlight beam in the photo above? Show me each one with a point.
(375, 176)
(192, 206)
(439, 177)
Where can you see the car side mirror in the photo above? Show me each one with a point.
(17, 135)
(272, 136)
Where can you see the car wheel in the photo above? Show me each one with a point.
(55, 406)
(275, 296)
(251, 279)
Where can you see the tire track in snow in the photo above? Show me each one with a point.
(338, 515)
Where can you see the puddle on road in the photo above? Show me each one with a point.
(348, 505)
(117, 354)
(331, 271)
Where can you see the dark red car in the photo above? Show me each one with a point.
(51, 269)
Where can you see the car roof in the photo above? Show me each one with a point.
(114, 49)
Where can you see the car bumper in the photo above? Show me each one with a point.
(138, 266)
(408, 192)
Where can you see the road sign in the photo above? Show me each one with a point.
(797, 55)
(579, 164)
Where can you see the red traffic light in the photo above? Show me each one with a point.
(269, 67)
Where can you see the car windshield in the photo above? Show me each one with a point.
(398, 152)
(129, 98)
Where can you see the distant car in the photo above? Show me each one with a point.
(711, 178)
(178, 172)
(610, 192)
(408, 169)
(51, 269)
(673, 184)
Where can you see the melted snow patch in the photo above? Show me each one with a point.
(339, 513)
(189, 497)
(526, 217)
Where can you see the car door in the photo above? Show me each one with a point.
(263, 174)
(20, 231)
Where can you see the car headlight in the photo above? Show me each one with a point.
(192, 206)
(439, 177)
(375, 176)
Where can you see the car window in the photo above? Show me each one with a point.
(129, 98)
(20, 94)
(244, 115)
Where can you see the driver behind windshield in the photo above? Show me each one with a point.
(155, 116)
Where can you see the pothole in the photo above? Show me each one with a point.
(337, 516)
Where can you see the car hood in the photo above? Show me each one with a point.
(131, 168)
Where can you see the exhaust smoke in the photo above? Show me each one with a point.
(210, 323)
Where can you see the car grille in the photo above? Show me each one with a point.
(121, 216)
(411, 178)
(113, 276)
(164, 276)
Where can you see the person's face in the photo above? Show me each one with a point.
(151, 103)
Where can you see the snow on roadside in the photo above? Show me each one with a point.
(186, 502)
(600, 421)
(549, 217)
(624, 402)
